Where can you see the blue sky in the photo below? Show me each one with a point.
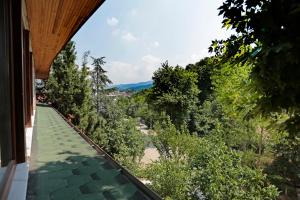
(136, 36)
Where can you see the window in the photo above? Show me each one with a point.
(12, 128)
(5, 97)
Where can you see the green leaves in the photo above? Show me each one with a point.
(68, 88)
(99, 80)
(267, 37)
(220, 175)
(235, 90)
(190, 166)
(171, 179)
(174, 92)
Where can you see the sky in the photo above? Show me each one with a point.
(136, 36)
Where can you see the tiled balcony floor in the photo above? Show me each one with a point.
(64, 166)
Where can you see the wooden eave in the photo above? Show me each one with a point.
(52, 23)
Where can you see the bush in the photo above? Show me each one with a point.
(221, 175)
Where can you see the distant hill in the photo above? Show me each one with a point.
(134, 86)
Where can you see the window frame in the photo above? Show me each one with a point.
(12, 90)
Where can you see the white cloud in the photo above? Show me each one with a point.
(198, 56)
(112, 21)
(129, 37)
(122, 72)
(149, 65)
(150, 59)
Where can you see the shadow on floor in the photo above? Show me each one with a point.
(80, 177)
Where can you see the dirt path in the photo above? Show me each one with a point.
(150, 154)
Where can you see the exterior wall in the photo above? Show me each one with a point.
(16, 94)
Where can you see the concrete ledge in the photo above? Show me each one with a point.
(18, 187)
(19, 184)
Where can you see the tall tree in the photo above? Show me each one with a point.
(204, 69)
(175, 92)
(84, 97)
(62, 85)
(68, 86)
(267, 36)
(99, 80)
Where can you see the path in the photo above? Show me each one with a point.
(150, 154)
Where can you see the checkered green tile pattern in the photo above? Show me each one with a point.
(64, 166)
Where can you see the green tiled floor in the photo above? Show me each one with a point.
(64, 166)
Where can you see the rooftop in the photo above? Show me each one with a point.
(65, 166)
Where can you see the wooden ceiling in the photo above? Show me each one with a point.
(52, 23)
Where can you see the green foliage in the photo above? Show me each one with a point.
(206, 118)
(172, 143)
(125, 139)
(267, 37)
(99, 81)
(171, 175)
(191, 168)
(85, 95)
(76, 95)
(284, 170)
(234, 89)
(269, 32)
(204, 70)
(220, 175)
(174, 92)
(98, 132)
(171, 179)
(117, 133)
(68, 87)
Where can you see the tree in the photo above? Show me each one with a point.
(116, 133)
(70, 90)
(171, 179)
(84, 97)
(68, 87)
(220, 175)
(235, 90)
(174, 92)
(204, 69)
(99, 80)
(171, 175)
(267, 36)
(63, 84)
(206, 118)
(173, 143)
(203, 168)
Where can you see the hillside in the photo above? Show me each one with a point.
(134, 86)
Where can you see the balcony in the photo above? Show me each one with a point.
(64, 165)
